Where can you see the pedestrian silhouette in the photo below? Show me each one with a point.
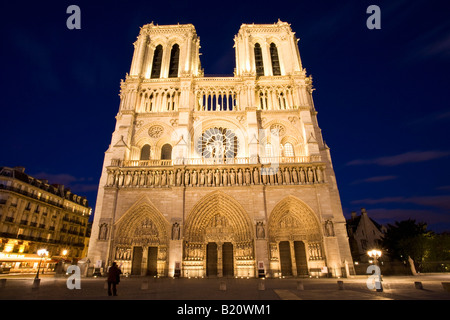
(113, 279)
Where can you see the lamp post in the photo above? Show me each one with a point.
(376, 254)
(42, 253)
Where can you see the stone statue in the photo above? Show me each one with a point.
(217, 177)
(232, 177)
(163, 178)
(202, 177)
(209, 176)
(157, 177)
(294, 176)
(240, 176)
(194, 178)
(171, 178)
(176, 231)
(103, 231)
(260, 233)
(310, 176)
(186, 178)
(329, 229)
(224, 177)
(247, 176)
(319, 175)
(279, 176)
(287, 177)
(255, 176)
(302, 176)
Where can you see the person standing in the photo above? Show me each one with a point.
(113, 279)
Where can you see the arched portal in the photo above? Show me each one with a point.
(141, 241)
(295, 239)
(218, 239)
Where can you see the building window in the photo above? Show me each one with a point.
(145, 152)
(275, 62)
(157, 60)
(174, 59)
(259, 65)
(166, 152)
(288, 150)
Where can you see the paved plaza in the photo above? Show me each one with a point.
(20, 287)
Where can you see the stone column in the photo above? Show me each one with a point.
(144, 260)
(294, 263)
(219, 259)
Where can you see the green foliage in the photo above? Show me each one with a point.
(430, 251)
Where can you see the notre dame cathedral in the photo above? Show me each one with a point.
(219, 176)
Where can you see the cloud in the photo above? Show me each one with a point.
(436, 221)
(430, 119)
(408, 157)
(441, 202)
(375, 179)
(77, 185)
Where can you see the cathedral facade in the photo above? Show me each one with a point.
(219, 176)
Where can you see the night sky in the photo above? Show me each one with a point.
(382, 96)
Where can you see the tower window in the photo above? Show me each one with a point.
(259, 65)
(288, 150)
(145, 152)
(275, 61)
(174, 59)
(157, 60)
(166, 152)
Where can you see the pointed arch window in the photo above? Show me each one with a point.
(145, 152)
(276, 71)
(157, 60)
(259, 65)
(166, 152)
(269, 150)
(174, 61)
(288, 150)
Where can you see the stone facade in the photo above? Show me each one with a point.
(219, 176)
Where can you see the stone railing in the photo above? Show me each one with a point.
(214, 161)
(227, 175)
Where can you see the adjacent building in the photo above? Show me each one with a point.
(37, 215)
(364, 234)
(219, 176)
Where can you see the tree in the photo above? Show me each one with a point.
(407, 239)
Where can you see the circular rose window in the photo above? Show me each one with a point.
(218, 143)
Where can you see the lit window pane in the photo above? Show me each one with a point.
(288, 150)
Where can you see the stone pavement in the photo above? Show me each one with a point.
(19, 287)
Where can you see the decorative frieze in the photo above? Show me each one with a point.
(210, 176)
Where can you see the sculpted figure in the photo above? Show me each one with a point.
(255, 176)
(194, 178)
(186, 178)
(157, 177)
(310, 176)
(247, 176)
(287, 177)
(302, 176)
(209, 176)
(232, 177)
(279, 176)
(224, 177)
(240, 176)
(163, 178)
(294, 176)
(202, 177)
(217, 177)
(171, 178)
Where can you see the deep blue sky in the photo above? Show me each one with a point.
(382, 96)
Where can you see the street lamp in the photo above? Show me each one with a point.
(376, 254)
(41, 253)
